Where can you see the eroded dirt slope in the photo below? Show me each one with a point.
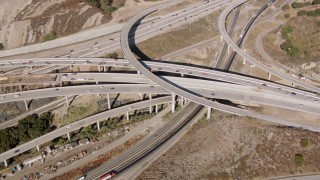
(235, 147)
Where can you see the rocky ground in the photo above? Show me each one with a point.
(233, 147)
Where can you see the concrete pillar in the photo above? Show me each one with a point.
(127, 114)
(68, 134)
(98, 125)
(156, 108)
(228, 48)
(293, 85)
(67, 101)
(104, 68)
(97, 82)
(38, 148)
(141, 96)
(221, 38)
(108, 99)
(173, 102)
(182, 74)
(99, 68)
(209, 113)
(150, 108)
(5, 163)
(269, 76)
(26, 104)
(70, 67)
(244, 61)
(138, 72)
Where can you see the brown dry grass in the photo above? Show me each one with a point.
(233, 147)
(181, 37)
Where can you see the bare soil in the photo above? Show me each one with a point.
(233, 147)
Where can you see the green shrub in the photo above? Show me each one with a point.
(50, 36)
(287, 15)
(299, 160)
(1, 46)
(304, 143)
(289, 48)
(300, 5)
(318, 23)
(315, 2)
(314, 13)
(285, 7)
(285, 31)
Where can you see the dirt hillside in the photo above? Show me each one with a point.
(233, 147)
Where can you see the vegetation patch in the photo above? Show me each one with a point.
(27, 129)
(1, 46)
(109, 6)
(314, 13)
(287, 15)
(304, 143)
(287, 44)
(50, 36)
(299, 160)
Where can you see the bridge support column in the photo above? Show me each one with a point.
(173, 103)
(138, 72)
(104, 68)
(269, 76)
(67, 101)
(108, 99)
(221, 38)
(70, 67)
(141, 96)
(98, 125)
(150, 107)
(99, 68)
(97, 82)
(209, 113)
(26, 104)
(156, 108)
(228, 48)
(68, 134)
(244, 61)
(127, 114)
(5, 163)
(293, 85)
(182, 74)
(38, 148)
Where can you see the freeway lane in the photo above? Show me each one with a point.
(203, 88)
(146, 146)
(154, 28)
(226, 37)
(164, 67)
(81, 123)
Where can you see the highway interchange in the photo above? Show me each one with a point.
(226, 85)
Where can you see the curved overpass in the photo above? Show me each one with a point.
(227, 38)
(168, 85)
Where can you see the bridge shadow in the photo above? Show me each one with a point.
(132, 42)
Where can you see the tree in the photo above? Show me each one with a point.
(304, 143)
(287, 15)
(299, 160)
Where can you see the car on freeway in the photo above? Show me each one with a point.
(130, 107)
(212, 94)
(16, 150)
(69, 126)
(112, 88)
(2, 97)
(108, 175)
(57, 89)
(17, 95)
